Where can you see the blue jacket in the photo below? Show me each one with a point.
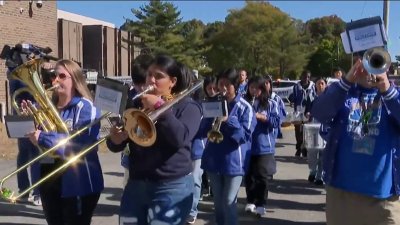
(300, 95)
(265, 133)
(332, 109)
(169, 158)
(280, 105)
(231, 156)
(85, 176)
(199, 141)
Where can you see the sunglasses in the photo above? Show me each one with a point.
(61, 76)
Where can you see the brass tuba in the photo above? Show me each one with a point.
(47, 117)
(46, 114)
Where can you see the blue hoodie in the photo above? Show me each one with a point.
(85, 176)
(265, 133)
(300, 95)
(373, 153)
(231, 156)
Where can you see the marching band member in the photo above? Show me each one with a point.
(314, 156)
(301, 91)
(199, 142)
(71, 196)
(160, 186)
(227, 161)
(262, 161)
(279, 101)
(361, 160)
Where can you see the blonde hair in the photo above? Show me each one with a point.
(77, 77)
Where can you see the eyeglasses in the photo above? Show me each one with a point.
(61, 76)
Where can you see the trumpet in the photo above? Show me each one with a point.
(376, 61)
(215, 135)
(253, 100)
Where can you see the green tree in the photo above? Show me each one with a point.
(259, 38)
(157, 26)
(328, 52)
(194, 47)
(327, 27)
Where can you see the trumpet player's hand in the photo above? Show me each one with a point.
(382, 82)
(34, 136)
(224, 118)
(117, 135)
(356, 71)
(151, 102)
(261, 117)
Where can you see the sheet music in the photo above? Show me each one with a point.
(107, 99)
(18, 127)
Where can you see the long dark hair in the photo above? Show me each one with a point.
(184, 76)
(230, 74)
(260, 83)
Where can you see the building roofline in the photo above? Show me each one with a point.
(84, 20)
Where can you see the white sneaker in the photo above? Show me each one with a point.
(250, 208)
(260, 211)
(35, 199)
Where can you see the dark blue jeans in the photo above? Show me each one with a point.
(149, 202)
(26, 152)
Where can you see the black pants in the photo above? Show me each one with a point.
(298, 130)
(256, 179)
(64, 211)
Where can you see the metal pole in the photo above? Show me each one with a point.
(386, 15)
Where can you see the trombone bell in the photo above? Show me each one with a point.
(376, 60)
(140, 127)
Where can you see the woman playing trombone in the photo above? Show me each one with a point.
(226, 161)
(160, 186)
(69, 198)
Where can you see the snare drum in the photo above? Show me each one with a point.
(311, 137)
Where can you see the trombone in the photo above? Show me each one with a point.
(28, 73)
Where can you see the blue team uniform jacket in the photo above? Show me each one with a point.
(85, 176)
(231, 156)
(331, 109)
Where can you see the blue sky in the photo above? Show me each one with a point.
(209, 11)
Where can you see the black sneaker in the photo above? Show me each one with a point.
(297, 153)
(304, 153)
(319, 182)
(311, 178)
(191, 220)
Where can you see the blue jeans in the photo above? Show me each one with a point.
(149, 202)
(26, 152)
(197, 175)
(225, 189)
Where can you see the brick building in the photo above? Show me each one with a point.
(22, 21)
(96, 44)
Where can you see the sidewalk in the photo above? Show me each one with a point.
(292, 200)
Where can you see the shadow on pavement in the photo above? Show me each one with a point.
(291, 159)
(281, 144)
(295, 187)
(20, 210)
(106, 210)
(116, 193)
